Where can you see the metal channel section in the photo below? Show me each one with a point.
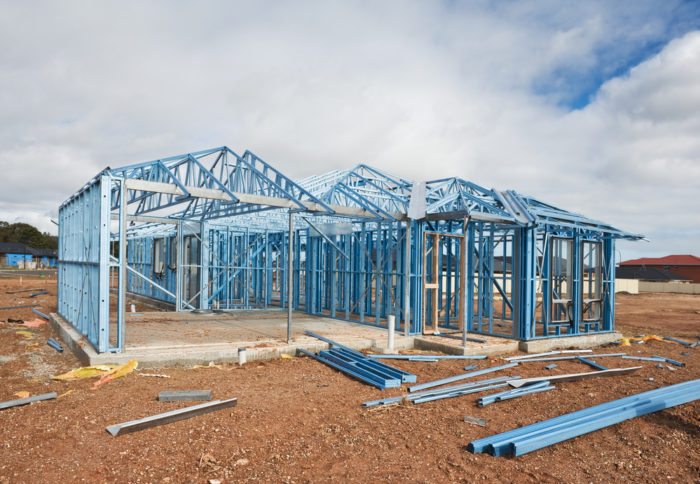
(215, 229)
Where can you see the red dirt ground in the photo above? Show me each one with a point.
(300, 421)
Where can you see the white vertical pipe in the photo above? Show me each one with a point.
(391, 323)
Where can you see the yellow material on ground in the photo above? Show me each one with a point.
(86, 372)
(118, 372)
(22, 394)
(26, 334)
(645, 338)
(105, 372)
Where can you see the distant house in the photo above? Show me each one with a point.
(15, 254)
(686, 266)
(646, 273)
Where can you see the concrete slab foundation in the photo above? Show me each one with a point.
(589, 341)
(159, 339)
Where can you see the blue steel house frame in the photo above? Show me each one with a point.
(221, 231)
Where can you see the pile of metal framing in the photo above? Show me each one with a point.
(215, 229)
(359, 366)
(536, 436)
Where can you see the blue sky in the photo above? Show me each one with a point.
(593, 106)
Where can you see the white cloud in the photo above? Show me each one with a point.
(421, 89)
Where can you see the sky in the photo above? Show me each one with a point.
(592, 106)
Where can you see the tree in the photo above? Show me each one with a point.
(28, 235)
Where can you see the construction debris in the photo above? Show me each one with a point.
(25, 334)
(55, 345)
(640, 339)
(117, 373)
(550, 367)
(590, 363)
(24, 401)
(34, 323)
(40, 293)
(538, 387)
(364, 369)
(105, 372)
(210, 365)
(574, 376)
(542, 434)
(428, 357)
(452, 379)
(169, 417)
(40, 314)
(19, 307)
(446, 392)
(669, 360)
(548, 353)
(360, 366)
(643, 358)
(157, 375)
(85, 372)
(668, 338)
(475, 420)
(563, 358)
(24, 290)
(180, 395)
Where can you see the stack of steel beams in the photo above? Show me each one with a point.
(358, 365)
(542, 434)
(446, 392)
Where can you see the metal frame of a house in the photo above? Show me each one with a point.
(211, 230)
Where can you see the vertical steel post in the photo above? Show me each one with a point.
(103, 318)
(463, 293)
(290, 280)
(407, 283)
(121, 297)
(204, 256)
(179, 270)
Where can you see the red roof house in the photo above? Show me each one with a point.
(687, 266)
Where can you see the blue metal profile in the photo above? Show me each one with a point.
(537, 387)
(452, 379)
(590, 363)
(477, 385)
(434, 357)
(541, 434)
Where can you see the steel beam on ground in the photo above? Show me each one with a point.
(169, 417)
(499, 444)
(576, 376)
(452, 379)
(25, 401)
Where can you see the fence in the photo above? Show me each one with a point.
(635, 286)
